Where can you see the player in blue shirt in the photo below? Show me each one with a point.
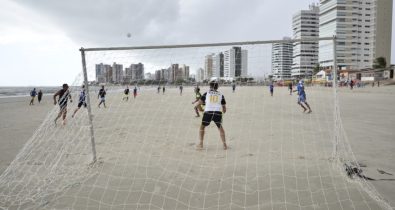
(302, 96)
(33, 94)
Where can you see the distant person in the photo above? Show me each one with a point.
(33, 94)
(351, 84)
(163, 90)
(102, 96)
(373, 84)
(214, 101)
(158, 89)
(302, 96)
(134, 92)
(233, 87)
(181, 90)
(271, 88)
(126, 92)
(64, 96)
(81, 100)
(290, 88)
(378, 83)
(39, 96)
(198, 108)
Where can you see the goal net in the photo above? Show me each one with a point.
(139, 150)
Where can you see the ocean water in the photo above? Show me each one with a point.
(6, 92)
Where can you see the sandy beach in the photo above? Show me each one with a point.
(279, 157)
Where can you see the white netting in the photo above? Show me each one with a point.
(279, 157)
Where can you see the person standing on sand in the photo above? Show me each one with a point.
(233, 87)
(33, 94)
(158, 89)
(126, 92)
(181, 90)
(214, 101)
(290, 88)
(102, 96)
(64, 95)
(81, 100)
(302, 96)
(163, 90)
(39, 96)
(134, 92)
(271, 87)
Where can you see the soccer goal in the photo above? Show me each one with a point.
(134, 146)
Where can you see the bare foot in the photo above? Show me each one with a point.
(64, 122)
(304, 110)
(225, 146)
(199, 147)
(309, 111)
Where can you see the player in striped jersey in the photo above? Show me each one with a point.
(214, 101)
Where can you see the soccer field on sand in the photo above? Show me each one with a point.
(279, 157)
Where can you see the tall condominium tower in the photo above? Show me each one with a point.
(305, 24)
(363, 30)
(282, 60)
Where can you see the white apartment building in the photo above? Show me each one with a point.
(235, 63)
(218, 65)
(305, 24)
(117, 73)
(363, 29)
(199, 75)
(282, 60)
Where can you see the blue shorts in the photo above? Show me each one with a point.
(302, 98)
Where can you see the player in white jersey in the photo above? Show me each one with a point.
(214, 101)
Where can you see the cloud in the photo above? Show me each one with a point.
(106, 23)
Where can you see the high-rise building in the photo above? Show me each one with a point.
(104, 73)
(244, 63)
(218, 65)
(235, 62)
(282, 60)
(137, 71)
(200, 75)
(158, 74)
(117, 73)
(165, 76)
(208, 66)
(305, 24)
(363, 30)
(184, 72)
(174, 73)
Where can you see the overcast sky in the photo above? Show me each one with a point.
(39, 39)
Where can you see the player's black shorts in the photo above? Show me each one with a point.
(81, 103)
(212, 116)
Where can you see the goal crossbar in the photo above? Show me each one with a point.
(208, 44)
